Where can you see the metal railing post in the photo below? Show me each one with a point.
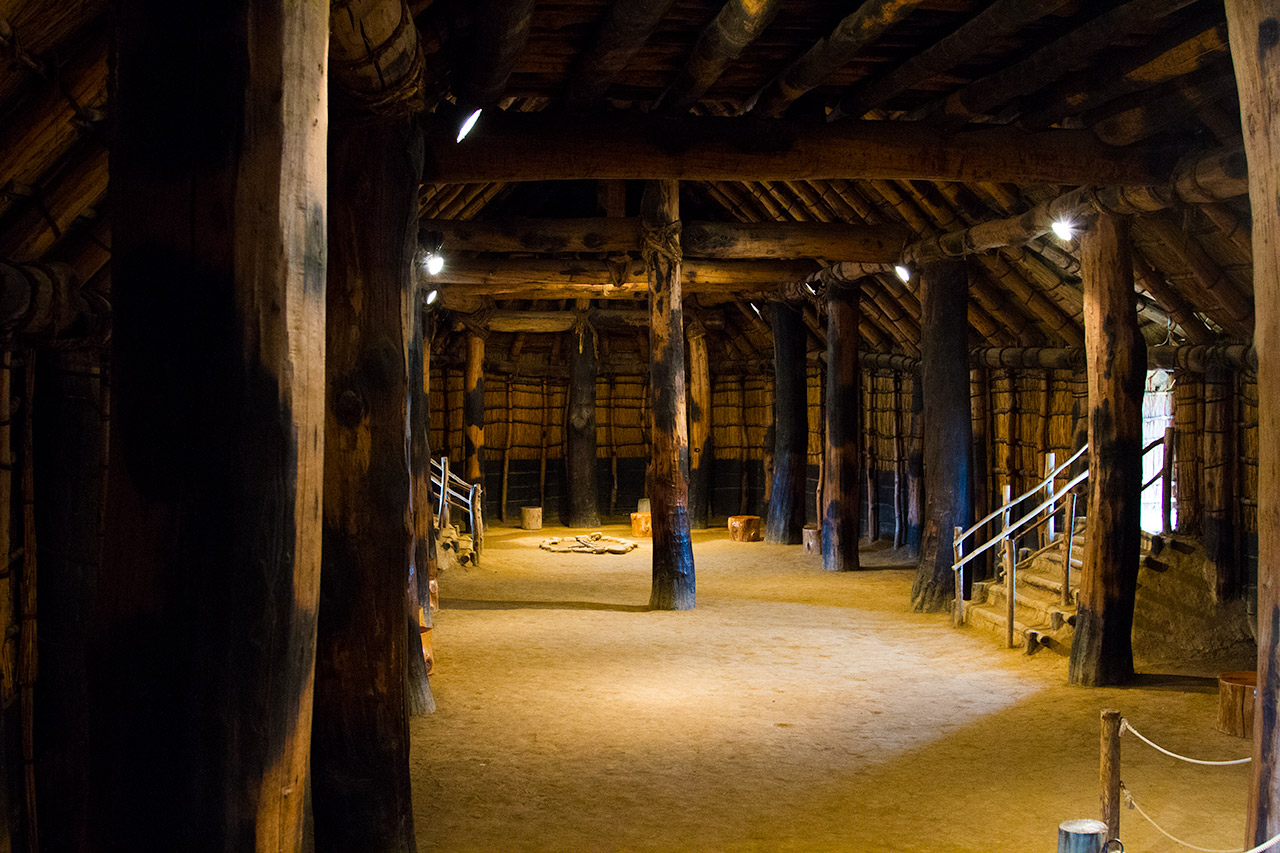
(1010, 587)
(1066, 554)
(958, 614)
(1050, 464)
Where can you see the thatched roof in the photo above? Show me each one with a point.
(1147, 77)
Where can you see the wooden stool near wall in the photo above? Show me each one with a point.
(813, 539)
(744, 528)
(642, 524)
(531, 517)
(1235, 702)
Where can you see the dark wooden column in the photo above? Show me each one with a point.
(1116, 356)
(360, 779)
(700, 454)
(978, 406)
(1220, 542)
(473, 409)
(948, 428)
(791, 432)
(841, 494)
(1255, 51)
(673, 580)
(418, 441)
(203, 636)
(580, 464)
(915, 468)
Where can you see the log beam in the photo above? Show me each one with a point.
(41, 302)
(500, 31)
(580, 459)
(841, 495)
(626, 27)
(673, 579)
(1102, 652)
(722, 41)
(536, 278)
(376, 56)
(948, 429)
(530, 147)
(791, 434)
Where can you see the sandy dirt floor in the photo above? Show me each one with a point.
(794, 709)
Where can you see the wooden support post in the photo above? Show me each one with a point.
(361, 727)
(213, 529)
(1166, 480)
(899, 492)
(542, 452)
(790, 415)
(1109, 772)
(840, 493)
(418, 444)
(1220, 542)
(870, 460)
(506, 452)
(473, 409)
(915, 469)
(673, 579)
(978, 399)
(948, 428)
(1188, 416)
(1255, 51)
(700, 452)
(580, 427)
(1102, 651)
(613, 448)
(744, 456)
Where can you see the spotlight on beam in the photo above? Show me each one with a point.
(432, 259)
(472, 116)
(1063, 229)
(435, 263)
(902, 272)
(433, 296)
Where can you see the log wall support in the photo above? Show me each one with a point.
(473, 409)
(700, 451)
(948, 429)
(1102, 652)
(673, 579)
(790, 418)
(840, 488)
(1222, 563)
(361, 721)
(915, 467)
(1255, 50)
(580, 462)
(213, 524)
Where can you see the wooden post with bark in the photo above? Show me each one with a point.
(1102, 651)
(915, 468)
(700, 452)
(785, 523)
(361, 724)
(1222, 564)
(580, 461)
(473, 409)
(840, 490)
(948, 428)
(418, 442)
(870, 458)
(201, 665)
(1255, 51)
(673, 579)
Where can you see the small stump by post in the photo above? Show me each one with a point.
(1235, 702)
(744, 528)
(1082, 836)
(812, 539)
(531, 517)
(641, 524)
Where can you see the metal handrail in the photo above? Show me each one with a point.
(1028, 493)
(1017, 525)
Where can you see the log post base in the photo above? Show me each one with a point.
(744, 528)
(1236, 691)
(642, 524)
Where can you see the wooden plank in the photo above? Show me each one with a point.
(840, 493)
(530, 147)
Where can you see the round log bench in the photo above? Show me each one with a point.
(744, 528)
(1235, 702)
(531, 517)
(641, 524)
(813, 539)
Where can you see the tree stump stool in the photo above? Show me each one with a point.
(813, 539)
(531, 517)
(1235, 702)
(642, 524)
(1082, 836)
(744, 528)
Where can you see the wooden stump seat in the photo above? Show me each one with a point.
(1235, 702)
(744, 528)
(531, 517)
(813, 539)
(642, 524)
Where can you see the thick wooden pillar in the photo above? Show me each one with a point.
(360, 783)
(70, 445)
(841, 494)
(673, 580)
(1116, 357)
(870, 456)
(1255, 51)
(1222, 563)
(791, 432)
(473, 409)
(418, 442)
(948, 428)
(580, 464)
(700, 454)
(915, 468)
(203, 637)
(981, 491)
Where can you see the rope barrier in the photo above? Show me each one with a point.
(1129, 801)
(1124, 724)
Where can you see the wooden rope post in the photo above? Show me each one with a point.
(475, 499)
(1109, 772)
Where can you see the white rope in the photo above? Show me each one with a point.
(1124, 724)
(1129, 801)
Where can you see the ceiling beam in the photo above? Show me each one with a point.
(533, 147)
(498, 37)
(698, 239)
(626, 27)
(722, 41)
(376, 56)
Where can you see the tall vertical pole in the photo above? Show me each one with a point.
(791, 433)
(580, 461)
(673, 580)
(201, 669)
(948, 428)
(473, 409)
(699, 425)
(915, 468)
(1116, 359)
(1255, 51)
(840, 491)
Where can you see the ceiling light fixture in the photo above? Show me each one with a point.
(902, 272)
(432, 259)
(472, 116)
(1063, 229)
(432, 296)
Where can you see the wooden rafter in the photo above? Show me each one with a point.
(626, 27)
(722, 41)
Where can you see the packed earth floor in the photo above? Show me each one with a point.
(794, 709)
